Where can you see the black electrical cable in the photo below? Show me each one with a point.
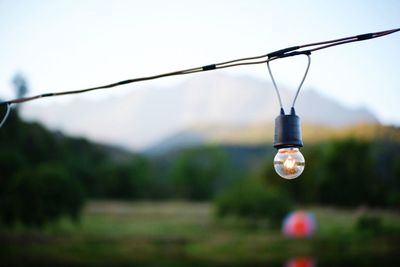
(286, 52)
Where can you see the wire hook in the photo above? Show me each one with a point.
(298, 89)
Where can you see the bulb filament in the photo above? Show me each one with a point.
(289, 165)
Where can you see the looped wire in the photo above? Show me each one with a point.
(298, 89)
(6, 115)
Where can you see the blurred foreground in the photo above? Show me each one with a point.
(185, 234)
(230, 209)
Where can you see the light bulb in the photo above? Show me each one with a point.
(289, 163)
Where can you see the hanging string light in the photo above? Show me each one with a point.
(289, 162)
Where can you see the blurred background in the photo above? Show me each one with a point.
(179, 171)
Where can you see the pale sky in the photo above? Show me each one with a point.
(71, 44)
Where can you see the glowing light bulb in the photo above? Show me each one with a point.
(289, 163)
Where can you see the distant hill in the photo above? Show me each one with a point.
(258, 135)
(144, 118)
(32, 143)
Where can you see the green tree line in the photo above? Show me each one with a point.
(45, 175)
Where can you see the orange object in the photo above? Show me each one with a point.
(301, 262)
(299, 224)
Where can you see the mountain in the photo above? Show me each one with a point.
(144, 118)
(261, 135)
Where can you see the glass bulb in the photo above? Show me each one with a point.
(289, 163)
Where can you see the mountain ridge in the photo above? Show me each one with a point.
(143, 118)
(262, 134)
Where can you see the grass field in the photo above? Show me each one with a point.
(188, 234)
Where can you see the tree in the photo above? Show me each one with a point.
(347, 171)
(196, 173)
(125, 180)
(20, 85)
(42, 195)
(251, 200)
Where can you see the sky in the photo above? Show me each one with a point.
(71, 44)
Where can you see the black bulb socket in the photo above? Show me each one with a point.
(287, 130)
